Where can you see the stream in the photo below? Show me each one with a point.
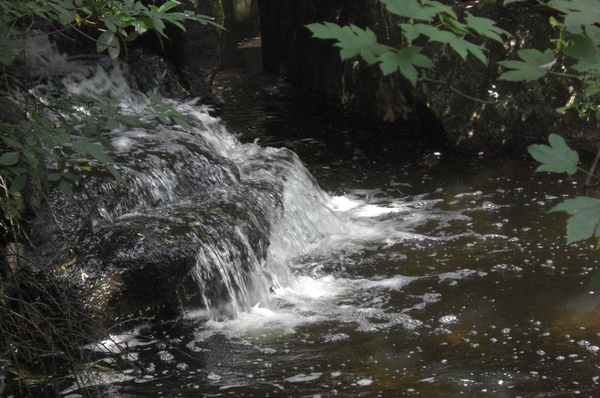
(448, 278)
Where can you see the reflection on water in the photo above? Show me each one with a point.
(450, 278)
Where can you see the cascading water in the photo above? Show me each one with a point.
(448, 276)
(243, 211)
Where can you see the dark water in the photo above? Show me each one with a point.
(450, 279)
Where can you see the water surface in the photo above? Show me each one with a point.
(449, 278)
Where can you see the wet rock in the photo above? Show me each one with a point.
(195, 52)
(183, 65)
(182, 233)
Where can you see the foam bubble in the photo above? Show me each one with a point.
(303, 377)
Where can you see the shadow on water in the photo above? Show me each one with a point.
(451, 278)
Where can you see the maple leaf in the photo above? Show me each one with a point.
(406, 61)
(485, 27)
(557, 157)
(585, 217)
(578, 13)
(535, 65)
(351, 40)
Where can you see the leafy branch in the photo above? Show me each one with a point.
(431, 20)
(584, 211)
(117, 22)
(60, 138)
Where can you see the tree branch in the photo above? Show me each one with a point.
(444, 83)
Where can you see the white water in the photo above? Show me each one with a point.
(270, 188)
(354, 313)
(317, 295)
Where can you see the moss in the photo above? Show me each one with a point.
(218, 12)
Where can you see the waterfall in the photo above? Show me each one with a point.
(240, 211)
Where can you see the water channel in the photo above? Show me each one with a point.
(449, 278)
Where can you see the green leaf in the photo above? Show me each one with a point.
(30, 141)
(442, 10)
(583, 49)
(181, 122)
(12, 142)
(54, 177)
(70, 176)
(142, 25)
(411, 32)
(352, 40)
(557, 157)
(115, 173)
(7, 206)
(9, 158)
(506, 2)
(64, 16)
(411, 9)
(65, 187)
(159, 26)
(592, 90)
(97, 152)
(453, 25)
(18, 183)
(132, 36)
(110, 24)
(81, 165)
(30, 157)
(172, 18)
(152, 96)
(111, 124)
(114, 48)
(164, 118)
(42, 151)
(585, 217)
(6, 54)
(485, 27)
(104, 40)
(406, 61)
(458, 44)
(167, 6)
(535, 64)
(578, 13)
(593, 32)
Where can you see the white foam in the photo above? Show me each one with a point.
(303, 377)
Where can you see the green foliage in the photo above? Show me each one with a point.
(584, 220)
(521, 103)
(557, 157)
(407, 60)
(64, 140)
(578, 39)
(585, 217)
(352, 40)
(117, 21)
(431, 20)
(61, 137)
(535, 64)
(579, 14)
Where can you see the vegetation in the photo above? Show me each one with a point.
(53, 137)
(59, 131)
(577, 44)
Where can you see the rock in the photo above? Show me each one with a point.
(195, 52)
(184, 232)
